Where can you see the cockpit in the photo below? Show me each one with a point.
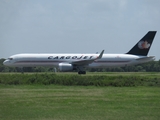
(10, 59)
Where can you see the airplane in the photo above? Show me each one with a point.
(70, 62)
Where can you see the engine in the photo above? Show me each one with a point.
(65, 67)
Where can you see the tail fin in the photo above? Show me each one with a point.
(143, 46)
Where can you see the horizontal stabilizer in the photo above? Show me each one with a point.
(146, 58)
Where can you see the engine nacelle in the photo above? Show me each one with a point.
(65, 67)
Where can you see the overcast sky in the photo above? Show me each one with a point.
(77, 26)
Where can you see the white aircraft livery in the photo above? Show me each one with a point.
(78, 62)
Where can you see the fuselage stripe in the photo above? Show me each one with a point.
(68, 61)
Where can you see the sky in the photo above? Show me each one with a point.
(77, 26)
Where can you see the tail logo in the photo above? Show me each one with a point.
(144, 45)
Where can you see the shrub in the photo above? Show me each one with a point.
(88, 80)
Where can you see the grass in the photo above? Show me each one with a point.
(51, 102)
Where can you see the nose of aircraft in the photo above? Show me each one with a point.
(5, 62)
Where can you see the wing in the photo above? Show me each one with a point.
(86, 62)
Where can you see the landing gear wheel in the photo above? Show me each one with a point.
(82, 72)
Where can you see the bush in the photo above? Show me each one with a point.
(88, 80)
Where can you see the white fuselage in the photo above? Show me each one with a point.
(53, 60)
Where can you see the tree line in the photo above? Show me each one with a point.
(153, 66)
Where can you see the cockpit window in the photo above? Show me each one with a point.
(10, 58)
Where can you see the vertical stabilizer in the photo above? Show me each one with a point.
(143, 46)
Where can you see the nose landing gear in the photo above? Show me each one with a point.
(81, 72)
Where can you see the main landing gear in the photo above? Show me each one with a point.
(81, 72)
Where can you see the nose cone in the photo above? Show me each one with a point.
(6, 62)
